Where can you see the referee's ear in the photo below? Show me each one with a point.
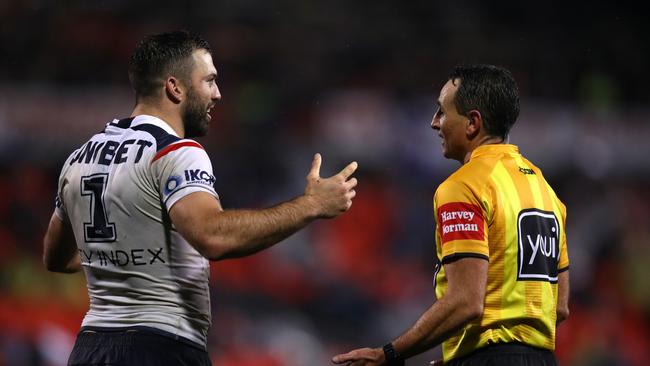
(474, 123)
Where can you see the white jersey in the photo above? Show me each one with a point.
(116, 192)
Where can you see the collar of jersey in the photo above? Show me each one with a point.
(494, 149)
(151, 120)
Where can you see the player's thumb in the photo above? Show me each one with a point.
(315, 167)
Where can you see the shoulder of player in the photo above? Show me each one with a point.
(166, 144)
(178, 146)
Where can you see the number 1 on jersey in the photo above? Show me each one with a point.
(98, 229)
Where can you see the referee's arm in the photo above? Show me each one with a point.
(463, 302)
(562, 296)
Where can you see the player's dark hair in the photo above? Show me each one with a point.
(160, 55)
(492, 91)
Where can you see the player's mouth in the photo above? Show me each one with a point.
(207, 112)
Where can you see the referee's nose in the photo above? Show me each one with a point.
(435, 122)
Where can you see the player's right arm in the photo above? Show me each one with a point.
(220, 234)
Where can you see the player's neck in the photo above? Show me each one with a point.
(168, 115)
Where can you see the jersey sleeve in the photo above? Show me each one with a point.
(461, 228)
(183, 168)
(59, 207)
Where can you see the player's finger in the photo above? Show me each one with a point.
(348, 170)
(315, 166)
(351, 183)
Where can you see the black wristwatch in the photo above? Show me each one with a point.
(392, 357)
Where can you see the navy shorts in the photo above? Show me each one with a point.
(141, 347)
(507, 354)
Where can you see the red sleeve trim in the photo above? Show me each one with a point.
(176, 146)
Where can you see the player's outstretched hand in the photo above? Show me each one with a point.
(332, 196)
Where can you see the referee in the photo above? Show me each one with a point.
(502, 278)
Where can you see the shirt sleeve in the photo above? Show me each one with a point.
(183, 168)
(59, 208)
(461, 229)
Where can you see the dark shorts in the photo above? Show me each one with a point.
(139, 347)
(506, 354)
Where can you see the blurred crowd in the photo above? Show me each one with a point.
(353, 83)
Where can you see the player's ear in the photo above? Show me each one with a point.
(474, 123)
(174, 89)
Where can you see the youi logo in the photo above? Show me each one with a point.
(539, 245)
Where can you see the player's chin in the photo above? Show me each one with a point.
(205, 128)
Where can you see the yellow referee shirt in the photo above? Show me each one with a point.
(498, 206)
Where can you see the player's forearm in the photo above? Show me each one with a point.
(238, 233)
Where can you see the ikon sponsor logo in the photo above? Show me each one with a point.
(199, 176)
(539, 245)
(460, 220)
(173, 182)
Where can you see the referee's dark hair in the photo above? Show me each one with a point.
(160, 55)
(492, 91)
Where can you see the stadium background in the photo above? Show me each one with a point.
(354, 81)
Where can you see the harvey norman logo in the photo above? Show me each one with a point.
(460, 220)
(539, 245)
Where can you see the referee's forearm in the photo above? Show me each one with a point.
(436, 324)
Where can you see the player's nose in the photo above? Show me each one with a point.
(216, 95)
